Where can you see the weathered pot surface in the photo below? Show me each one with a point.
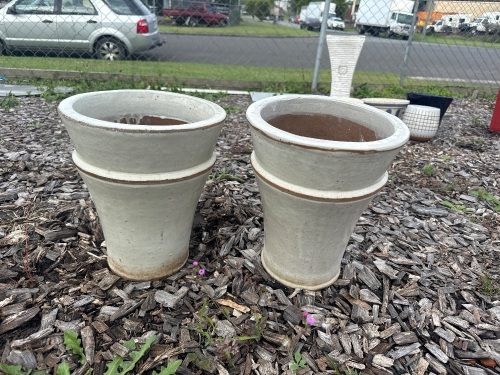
(318, 161)
(144, 156)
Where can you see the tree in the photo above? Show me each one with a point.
(259, 8)
(340, 7)
(295, 5)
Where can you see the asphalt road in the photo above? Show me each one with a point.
(469, 63)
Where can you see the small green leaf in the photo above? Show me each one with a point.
(136, 356)
(130, 344)
(12, 369)
(114, 366)
(297, 357)
(170, 369)
(63, 369)
(73, 343)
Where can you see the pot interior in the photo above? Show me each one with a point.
(332, 128)
(325, 119)
(144, 107)
(145, 120)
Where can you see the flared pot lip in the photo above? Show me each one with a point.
(386, 101)
(66, 109)
(400, 132)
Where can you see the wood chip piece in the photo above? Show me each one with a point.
(16, 320)
(233, 305)
(382, 360)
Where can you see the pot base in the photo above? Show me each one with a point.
(294, 285)
(153, 274)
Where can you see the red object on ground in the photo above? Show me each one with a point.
(495, 120)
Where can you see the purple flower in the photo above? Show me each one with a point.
(310, 320)
(201, 272)
(305, 314)
(195, 263)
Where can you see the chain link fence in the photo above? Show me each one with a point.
(454, 42)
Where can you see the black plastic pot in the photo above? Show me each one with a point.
(441, 102)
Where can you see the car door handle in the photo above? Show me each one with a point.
(91, 21)
(47, 21)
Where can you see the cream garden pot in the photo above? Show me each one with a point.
(318, 161)
(145, 156)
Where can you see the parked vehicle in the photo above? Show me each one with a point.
(424, 18)
(336, 23)
(449, 23)
(303, 14)
(479, 25)
(314, 15)
(438, 27)
(393, 17)
(198, 13)
(486, 23)
(107, 29)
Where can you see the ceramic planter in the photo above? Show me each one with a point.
(395, 107)
(343, 51)
(144, 156)
(423, 122)
(316, 174)
(437, 101)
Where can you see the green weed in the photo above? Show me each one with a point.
(429, 170)
(73, 343)
(9, 101)
(205, 326)
(224, 175)
(118, 366)
(297, 362)
(258, 329)
(456, 207)
(477, 121)
(170, 369)
(336, 369)
(489, 287)
(492, 201)
(36, 125)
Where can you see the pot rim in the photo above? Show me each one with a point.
(398, 138)
(386, 101)
(66, 109)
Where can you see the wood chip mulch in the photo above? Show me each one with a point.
(418, 293)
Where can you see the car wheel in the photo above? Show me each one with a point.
(223, 23)
(192, 22)
(110, 49)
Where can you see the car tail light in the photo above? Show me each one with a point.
(142, 27)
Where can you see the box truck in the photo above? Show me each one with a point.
(393, 17)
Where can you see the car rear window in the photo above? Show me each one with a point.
(128, 7)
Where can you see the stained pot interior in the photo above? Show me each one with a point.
(328, 120)
(143, 108)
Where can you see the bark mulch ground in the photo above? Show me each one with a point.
(418, 292)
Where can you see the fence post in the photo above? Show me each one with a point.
(321, 42)
(408, 45)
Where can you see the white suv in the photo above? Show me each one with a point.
(108, 29)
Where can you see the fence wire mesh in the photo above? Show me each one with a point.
(407, 41)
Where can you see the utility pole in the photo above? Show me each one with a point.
(430, 8)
